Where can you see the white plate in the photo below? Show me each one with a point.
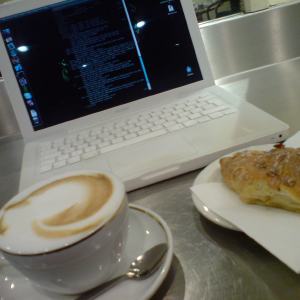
(212, 173)
(146, 229)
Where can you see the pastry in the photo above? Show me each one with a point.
(266, 178)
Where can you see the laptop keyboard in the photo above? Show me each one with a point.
(106, 138)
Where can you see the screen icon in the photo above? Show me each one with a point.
(25, 89)
(18, 67)
(6, 31)
(8, 40)
(171, 8)
(15, 60)
(27, 96)
(33, 113)
(36, 120)
(20, 74)
(11, 46)
(30, 103)
(22, 81)
(13, 53)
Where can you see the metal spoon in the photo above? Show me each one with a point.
(141, 268)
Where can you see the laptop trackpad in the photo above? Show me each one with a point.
(151, 154)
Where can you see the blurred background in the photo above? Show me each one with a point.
(211, 9)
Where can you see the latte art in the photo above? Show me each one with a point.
(58, 213)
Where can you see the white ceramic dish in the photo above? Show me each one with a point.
(212, 173)
(146, 229)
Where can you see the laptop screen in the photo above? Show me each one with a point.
(80, 57)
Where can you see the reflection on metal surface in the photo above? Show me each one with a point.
(253, 40)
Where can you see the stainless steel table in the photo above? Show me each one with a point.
(210, 262)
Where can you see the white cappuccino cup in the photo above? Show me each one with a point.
(67, 234)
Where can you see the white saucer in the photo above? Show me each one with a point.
(212, 173)
(146, 229)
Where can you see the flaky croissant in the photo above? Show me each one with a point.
(266, 178)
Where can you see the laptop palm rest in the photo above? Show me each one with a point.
(149, 155)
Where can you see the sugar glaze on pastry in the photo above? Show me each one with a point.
(266, 178)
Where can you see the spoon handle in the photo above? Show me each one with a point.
(92, 294)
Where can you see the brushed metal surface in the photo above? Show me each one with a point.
(254, 40)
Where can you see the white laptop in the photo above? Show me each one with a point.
(120, 85)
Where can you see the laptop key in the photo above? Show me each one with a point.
(77, 153)
(229, 111)
(90, 139)
(122, 133)
(108, 138)
(175, 127)
(69, 150)
(46, 168)
(184, 114)
(95, 142)
(148, 125)
(135, 129)
(203, 119)
(177, 111)
(190, 107)
(132, 141)
(182, 120)
(104, 144)
(48, 162)
(196, 110)
(215, 109)
(190, 123)
(159, 122)
(172, 118)
(89, 149)
(83, 146)
(153, 119)
(143, 131)
(132, 121)
(130, 136)
(63, 157)
(60, 164)
(103, 135)
(157, 127)
(74, 160)
(216, 115)
(64, 147)
(168, 124)
(77, 143)
(53, 155)
(49, 151)
(208, 106)
(90, 154)
(195, 116)
(166, 115)
(117, 140)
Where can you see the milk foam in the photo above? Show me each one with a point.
(59, 213)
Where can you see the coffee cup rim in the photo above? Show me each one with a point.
(97, 229)
(26, 192)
